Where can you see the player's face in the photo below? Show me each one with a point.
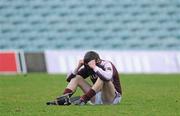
(87, 66)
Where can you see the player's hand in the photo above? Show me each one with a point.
(92, 64)
(81, 62)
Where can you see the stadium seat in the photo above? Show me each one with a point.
(32, 25)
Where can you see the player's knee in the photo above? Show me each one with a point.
(103, 81)
(100, 81)
(107, 82)
(78, 78)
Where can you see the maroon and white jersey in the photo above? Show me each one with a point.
(105, 70)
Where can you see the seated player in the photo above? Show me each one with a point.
(106, 88)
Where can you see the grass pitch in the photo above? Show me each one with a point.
(143, 95)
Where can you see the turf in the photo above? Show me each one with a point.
(143, 95)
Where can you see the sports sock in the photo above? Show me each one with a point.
(86, 97)
(68, 91)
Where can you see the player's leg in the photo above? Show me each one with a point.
(104, 92)
(107, 90)
(98, 85)
(108, 93)
(78, 81)
(90, 95)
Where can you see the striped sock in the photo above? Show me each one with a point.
(86, 97)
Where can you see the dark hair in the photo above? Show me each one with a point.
(91, 55)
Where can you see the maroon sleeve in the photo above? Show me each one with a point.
(69, 77)
(84, 72)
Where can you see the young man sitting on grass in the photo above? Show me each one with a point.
(106, 87)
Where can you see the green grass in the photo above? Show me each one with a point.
(143, 95)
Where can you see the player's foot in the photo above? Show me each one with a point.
(74, 100)
(63, 100)
(80, 102)
(51, 103)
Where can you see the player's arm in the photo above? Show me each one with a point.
(74, 73)
(104, 75)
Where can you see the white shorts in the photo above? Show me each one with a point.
(98, 98)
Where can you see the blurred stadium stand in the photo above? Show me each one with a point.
(37, 25)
